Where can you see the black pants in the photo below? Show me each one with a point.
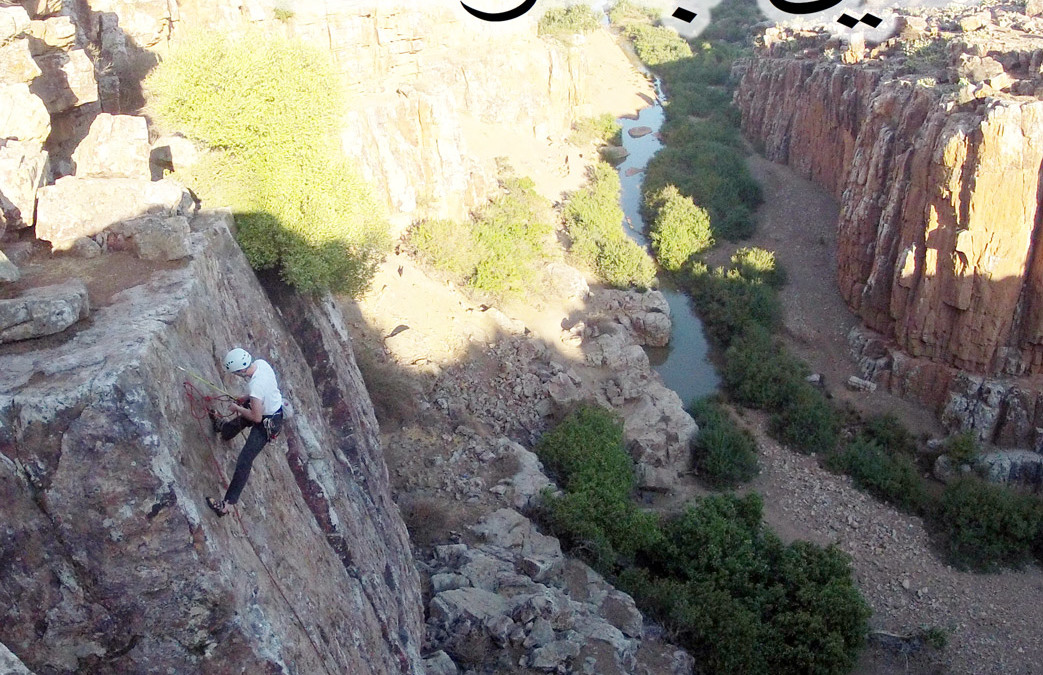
(255, 442)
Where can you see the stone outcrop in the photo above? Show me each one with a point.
(516, 590)
(77, 207)
(933, 142)
(116, 146)
(43, 311)
(110, 561)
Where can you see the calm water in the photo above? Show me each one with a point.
(683, 364)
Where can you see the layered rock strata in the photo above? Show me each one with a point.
(110, 560)
(933, 143)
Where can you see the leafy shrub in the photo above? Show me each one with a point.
(624, 13)
(806, 422)
(511, 234)
(265, 105)
(986, 526)
(594, 221)
(724, 454)
(714, 175)
(733, 21)
(759, 264)
(963, 448)
(585, 453)
(886, 431)
(888, 475)
(561, 22)
(680, 229)
(447, 245)
(729, 303)
(729, 590)
(657, 45)
(601, 129)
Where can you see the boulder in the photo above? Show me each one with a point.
(151, 237)
(16, 63)
(654, 328)
(513, 531)
(556, 654)
(43, 311)
(172, 153)
(8, 270)
(439, 663)
(529, 481)
(75, 207)
(567, 281)
(23, 169)
(13, 22)
(67, 80)
(638, 132)
(55, 33)
(614, 154)
(115, 147)
(23, 115)
(1012, 467)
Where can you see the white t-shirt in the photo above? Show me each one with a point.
(264, 387)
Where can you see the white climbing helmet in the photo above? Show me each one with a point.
(237, 360)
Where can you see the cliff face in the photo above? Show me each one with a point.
(939, 188)
(110, 560)
(418, 73)
(933, 144)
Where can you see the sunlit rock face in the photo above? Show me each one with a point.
(109, 559)
(935, 159)
(418, 74)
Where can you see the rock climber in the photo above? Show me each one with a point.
(261, 410)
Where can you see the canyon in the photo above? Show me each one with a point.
(932, 143)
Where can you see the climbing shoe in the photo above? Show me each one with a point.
(217, 506)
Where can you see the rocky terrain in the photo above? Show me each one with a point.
(932, 142)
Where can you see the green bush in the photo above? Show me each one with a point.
(963, 448)
(759, 264)
(266, 107)
(680, 229)
(724, 454)
(807, 422)
(594, 222)
(624, 13)
(986, 526)
(560, 22)
(512, 234)
(729, 303)
(891, 476)
(585, 454)
(742, 601)
(447, 245)
(601, 129)
(657, 45)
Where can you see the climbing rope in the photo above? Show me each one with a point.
(199, 406)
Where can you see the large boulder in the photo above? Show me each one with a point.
(58, 32)
(23, 115)
(23, 169)
(151, 237)
(43, 311)
(75, 207)
(13, 22)
(67, 80)
(8, 270)
(16, 63)
(115, 147)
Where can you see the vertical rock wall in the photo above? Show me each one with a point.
(109, 559)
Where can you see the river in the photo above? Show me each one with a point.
(684, 364)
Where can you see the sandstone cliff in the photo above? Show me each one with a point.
(933, 144)
(110, 561)
(419, 75)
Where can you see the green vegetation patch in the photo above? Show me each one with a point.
(680, 228)
(601, 129)
(724, 455)
(501, 250)
(560, 22)
(889, 475)
(594, 222)
(986, 526)
(721, 583)
(268, 109)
